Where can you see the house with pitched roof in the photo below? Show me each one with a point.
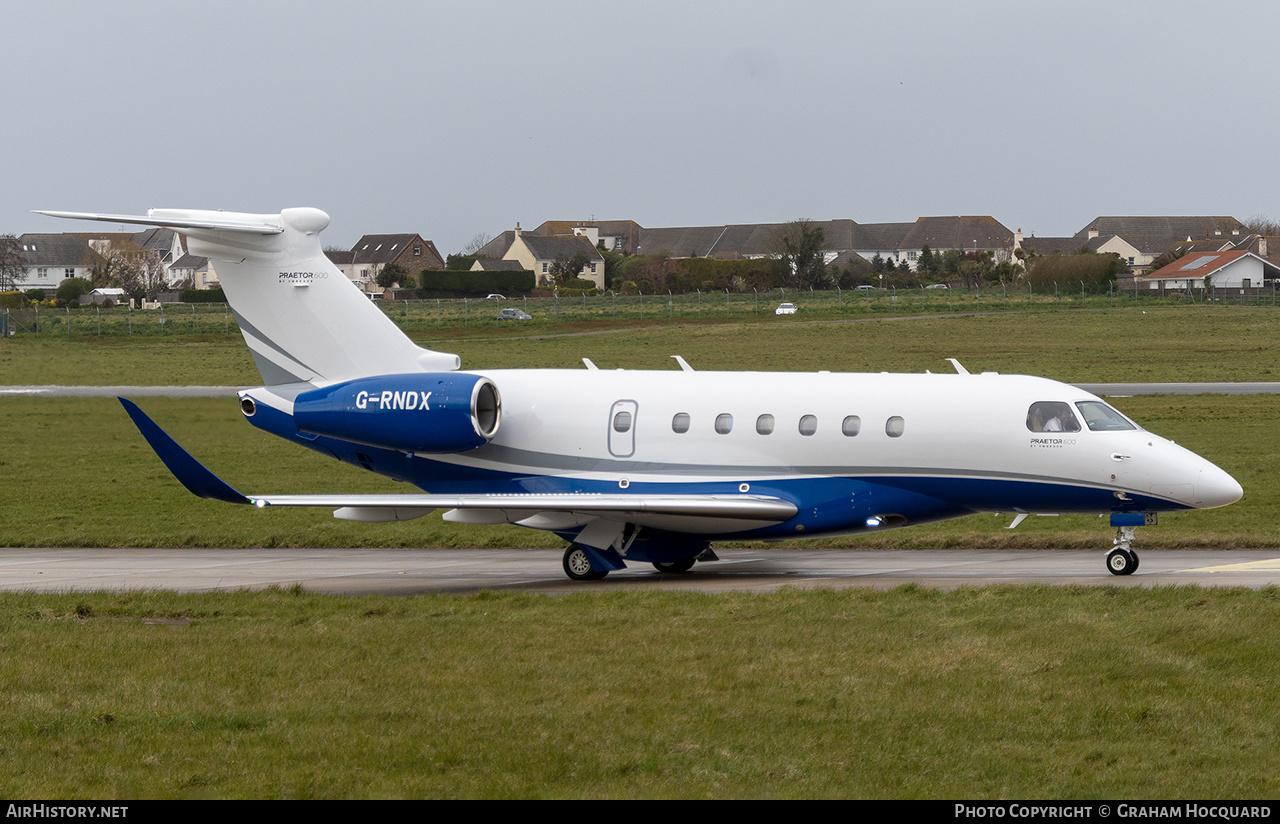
(372, 252)
(840, 238)
(165, 243)
(51, 258)
(1236, 269)
(538, 253)
(193, 272)
(1139, 240)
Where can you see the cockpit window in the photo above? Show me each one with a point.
(1102, 418)
(1051, 416)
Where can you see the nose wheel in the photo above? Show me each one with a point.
(1122, 560)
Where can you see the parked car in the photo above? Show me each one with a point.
(495, 297)
(514, 314)
(937, 286)
(865, 288)
(785, 309)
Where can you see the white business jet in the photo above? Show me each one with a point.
(652, 466)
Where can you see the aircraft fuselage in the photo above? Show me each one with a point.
(853, 452)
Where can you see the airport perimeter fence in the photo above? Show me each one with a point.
(194, 319)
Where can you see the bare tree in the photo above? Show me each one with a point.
(129, 266)
(1263, 225)
(152, 275)
(478, 241)
(13, 266)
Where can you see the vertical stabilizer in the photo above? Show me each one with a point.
(302, 318)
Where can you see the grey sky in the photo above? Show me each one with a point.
(452, 119)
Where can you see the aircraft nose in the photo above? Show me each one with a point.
(1216, 488)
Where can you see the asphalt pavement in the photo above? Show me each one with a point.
(415, 571)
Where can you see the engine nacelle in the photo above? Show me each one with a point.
(433, 412)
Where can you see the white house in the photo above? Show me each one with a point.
(1224, 270)
(51, 258)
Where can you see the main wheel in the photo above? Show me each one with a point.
(577, 565)
(675, 566)
(1121, 561)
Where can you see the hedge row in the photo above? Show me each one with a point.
(477, 283)
(203, 296)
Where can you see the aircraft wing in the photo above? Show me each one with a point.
(200, 481)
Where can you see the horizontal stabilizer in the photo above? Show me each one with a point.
(233, 222)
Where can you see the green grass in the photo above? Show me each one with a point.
(998, 692)
(1156, 344)
(214, 360)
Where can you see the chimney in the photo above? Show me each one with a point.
(517, 228)
(1262, 247)
(1093, 233)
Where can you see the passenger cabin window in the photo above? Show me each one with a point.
(680, 423)
(894, 427)
(851, 426)
(622, 422)
(724, 423)
(764, 424)
(1102, 418)
(808, 425)
(1051, 416)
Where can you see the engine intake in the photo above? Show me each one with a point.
(432, 413)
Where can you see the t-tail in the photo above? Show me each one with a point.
(302, 318)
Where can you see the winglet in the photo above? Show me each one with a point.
(190, 472)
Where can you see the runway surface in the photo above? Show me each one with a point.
(412, 571)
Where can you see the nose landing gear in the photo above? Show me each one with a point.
(1122, 560)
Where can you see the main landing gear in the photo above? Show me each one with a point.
(582, 564)
(1122, 560)
(577, 565)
